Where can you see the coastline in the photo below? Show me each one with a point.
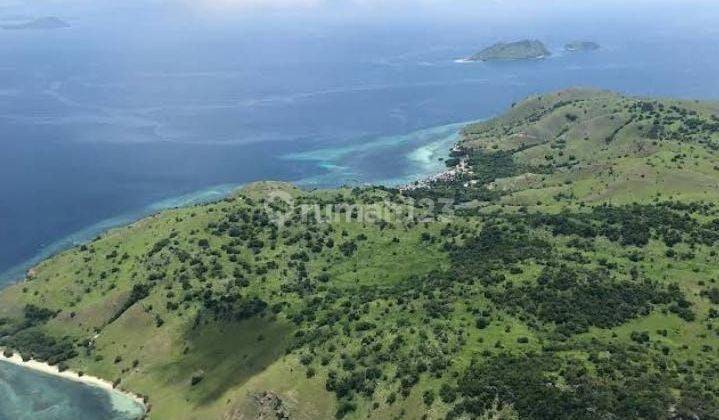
(447, 175)
(16, 273)
(424, 157)
(419, 150)
(88, 380)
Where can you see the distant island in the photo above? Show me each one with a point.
(578, 46)
(49, 22)
(521, 50)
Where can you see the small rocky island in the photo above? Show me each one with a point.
(521, 50)
(579, 46)
(49, 22)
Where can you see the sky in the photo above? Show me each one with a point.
(468, 8)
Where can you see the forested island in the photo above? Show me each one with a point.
(521, 50)
(567, 269)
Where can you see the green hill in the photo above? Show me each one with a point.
(568, 270)
(521, 50)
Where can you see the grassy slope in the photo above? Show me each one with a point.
(600, 149)
(235, 362)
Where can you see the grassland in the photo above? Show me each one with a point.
(569, 272)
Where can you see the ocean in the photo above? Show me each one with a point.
(30, 395)
(145, 105)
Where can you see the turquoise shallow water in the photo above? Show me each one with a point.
(30, 395)
(387, 160)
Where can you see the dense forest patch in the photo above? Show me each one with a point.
(550, 386)
(574, 300)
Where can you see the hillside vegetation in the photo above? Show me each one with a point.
(568, 270)
(520, 50)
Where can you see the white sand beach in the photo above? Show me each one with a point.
(74, 376)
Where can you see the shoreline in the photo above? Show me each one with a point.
(448, 174)
(155, 208)
(85, 379)
(17, 273)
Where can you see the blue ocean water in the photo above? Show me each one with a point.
(98, 122)
(143, 105)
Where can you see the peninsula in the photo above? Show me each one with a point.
(566, 268)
